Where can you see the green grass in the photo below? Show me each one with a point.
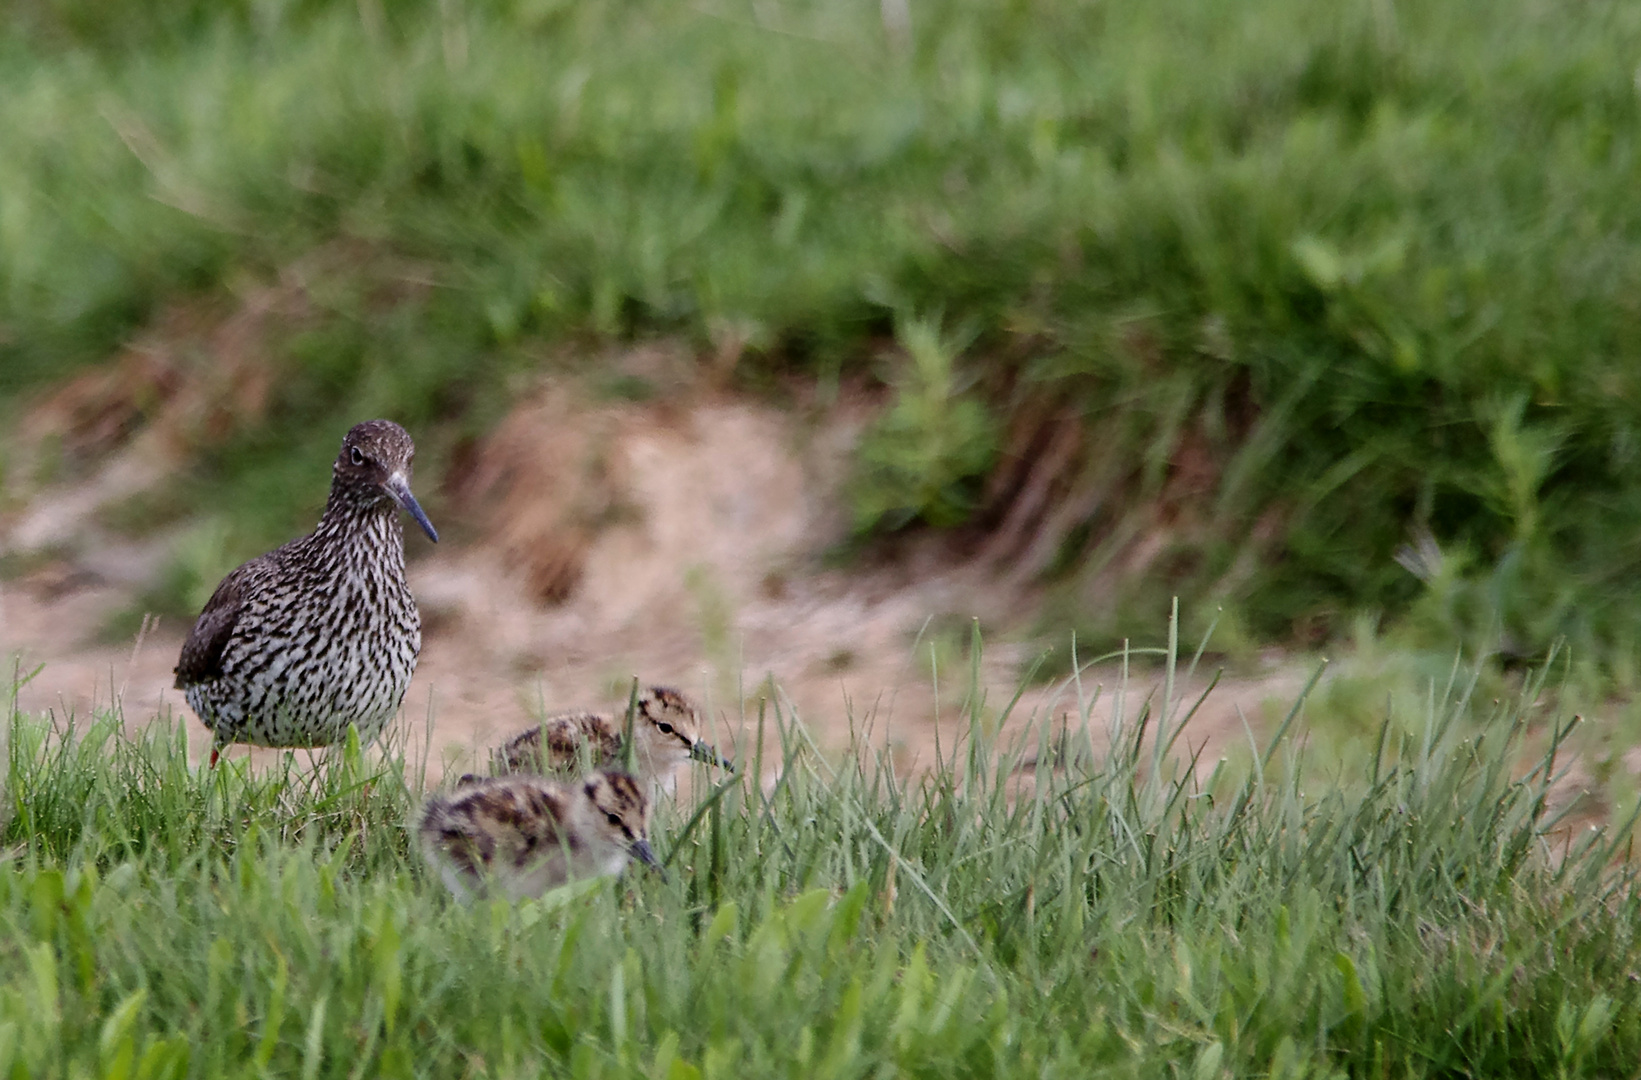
(1375, 264)
(1024, 909)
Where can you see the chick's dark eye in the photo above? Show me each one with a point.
(357, 456)
(666, 729)
(615, 819)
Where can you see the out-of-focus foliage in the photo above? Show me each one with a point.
(1380, 262)
(924, 457)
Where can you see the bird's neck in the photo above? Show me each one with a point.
(588, 829)
(369, 527)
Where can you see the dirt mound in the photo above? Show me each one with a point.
(678, 540)
(678, 544)
(681, 540)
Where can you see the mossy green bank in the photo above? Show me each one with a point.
(1376, 262)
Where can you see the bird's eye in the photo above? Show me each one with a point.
(666, 729)
(615, 819)
(357, 456)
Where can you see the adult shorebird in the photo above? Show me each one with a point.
(321, 633)
(666, 733)
(523, 835)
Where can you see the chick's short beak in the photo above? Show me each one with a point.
(398, 487)
(702, 751)
(643, 853)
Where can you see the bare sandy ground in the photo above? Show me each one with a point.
(678, 543)
(708, 574)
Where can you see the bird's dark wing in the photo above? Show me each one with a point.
(201, 659)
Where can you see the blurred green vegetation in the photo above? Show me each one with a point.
(1379, 262)
(923, 457)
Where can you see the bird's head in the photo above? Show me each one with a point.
(621, 813)
(375, 463)
(669, 727)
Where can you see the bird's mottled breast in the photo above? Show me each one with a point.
(328, 636)
(370, 614)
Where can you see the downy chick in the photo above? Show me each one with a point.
(523, 835)
(666, 729)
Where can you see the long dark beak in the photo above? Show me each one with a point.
(400, 490)
(702, 751)
(646, 855)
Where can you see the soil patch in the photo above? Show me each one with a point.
(681, 543)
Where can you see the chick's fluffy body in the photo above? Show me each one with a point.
(522, 835)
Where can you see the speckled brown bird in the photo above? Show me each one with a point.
(666, 733)
(323, 632)
(523, 835)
